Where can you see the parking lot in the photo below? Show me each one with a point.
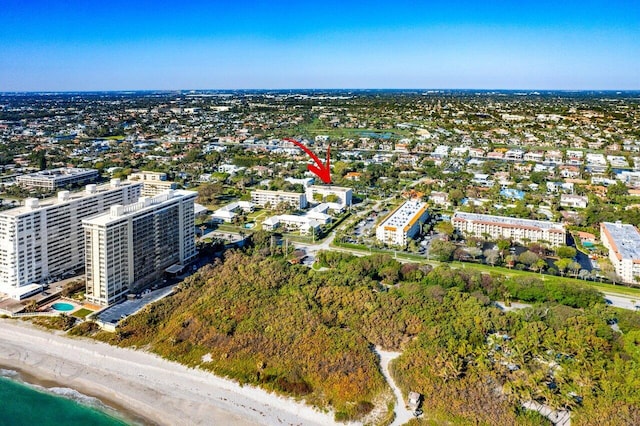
(366, 227)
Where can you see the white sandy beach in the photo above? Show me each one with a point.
(161, 391)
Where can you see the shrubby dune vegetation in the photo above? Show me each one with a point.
(310, 334)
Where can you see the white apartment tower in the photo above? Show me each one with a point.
(44, 238)
(130, 246)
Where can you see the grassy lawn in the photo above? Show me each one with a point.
(82, 313)
(258, 214)
(230, 228)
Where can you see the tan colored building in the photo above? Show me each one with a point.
(264, 198)
(153, 183)
(518, 230)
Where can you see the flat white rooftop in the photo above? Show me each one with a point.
(626, 239)
(508, 221)
(73, 196)
(332, 188)
(62, 172)
(405, 214)
(145, 204)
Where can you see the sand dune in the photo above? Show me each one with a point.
(158, 390)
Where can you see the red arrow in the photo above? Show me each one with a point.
(322, 170)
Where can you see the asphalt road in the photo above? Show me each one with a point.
(624, 302)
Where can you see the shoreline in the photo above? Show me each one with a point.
(110, 407)
(143, 386)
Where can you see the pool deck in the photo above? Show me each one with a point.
(49, 306)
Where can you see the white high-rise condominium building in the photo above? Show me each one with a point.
(44, 238)
(623, 242)
(403, 223)
(130, 246)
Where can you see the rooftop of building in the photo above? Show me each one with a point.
(34, 204)
(289, 218)
(143, 205)
(266, 191)
(626, 239)
(404, 214)
(144, 175)
(504, 220)
(330, 188)
(61, 172)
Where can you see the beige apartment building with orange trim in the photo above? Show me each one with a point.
(623, 242)
(402, 223)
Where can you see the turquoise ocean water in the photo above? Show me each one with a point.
(22, 404)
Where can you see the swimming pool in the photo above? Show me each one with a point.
(62, 307)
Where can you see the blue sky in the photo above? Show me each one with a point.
(223, 44)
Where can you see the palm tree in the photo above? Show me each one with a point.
(539, 265)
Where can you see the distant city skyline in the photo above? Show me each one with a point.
(542, 45)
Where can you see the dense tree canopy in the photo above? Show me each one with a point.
(306, 333)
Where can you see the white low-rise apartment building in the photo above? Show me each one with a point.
(310, 221)
(291, 223)
(337, 197)
(58, 178)
(403, 223)
(129, 247)
(518, 230)
(264, 198)
(44, 238)
(623, 242)
(229, 212)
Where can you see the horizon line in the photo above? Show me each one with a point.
(5, 92)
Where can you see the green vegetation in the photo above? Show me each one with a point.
(82, 313)
(507, 272)
(309, 334)
(59, 322)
